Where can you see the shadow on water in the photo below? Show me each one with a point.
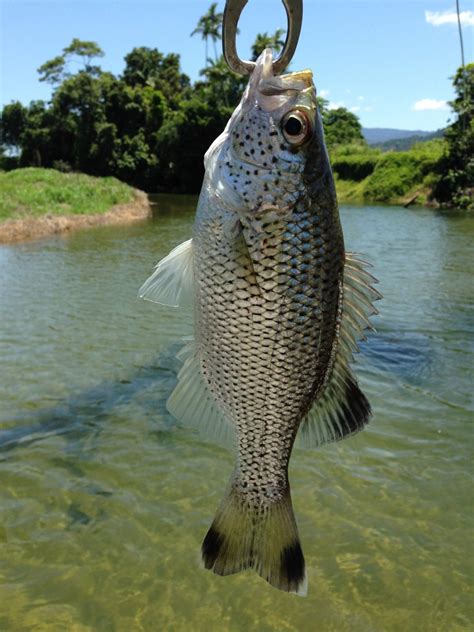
(408, 355)
(86, 413)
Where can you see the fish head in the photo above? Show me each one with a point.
(270, 134)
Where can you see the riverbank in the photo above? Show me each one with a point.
(366, 175)
(35, 203)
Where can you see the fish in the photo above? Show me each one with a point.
(279, 307)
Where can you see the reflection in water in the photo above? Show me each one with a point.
(105, 499)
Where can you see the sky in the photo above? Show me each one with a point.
(389, 61)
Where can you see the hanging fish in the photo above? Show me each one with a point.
(278, 307)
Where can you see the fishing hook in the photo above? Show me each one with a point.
(232, 11)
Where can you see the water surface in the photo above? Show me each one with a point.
(104, 498)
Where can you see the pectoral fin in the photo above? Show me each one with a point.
(172, 281)
(342, 409)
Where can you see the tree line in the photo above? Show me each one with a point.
(150, 125)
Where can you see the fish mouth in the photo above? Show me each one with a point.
(263, 83)
(273, 92)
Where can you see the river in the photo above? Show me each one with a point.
(104, 498)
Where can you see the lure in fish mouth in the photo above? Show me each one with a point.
(278, 309)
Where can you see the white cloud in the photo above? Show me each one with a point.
(333, 105)
(323, 93)
(360, 98)
(355, 108)
(429, 104)
(438, 18)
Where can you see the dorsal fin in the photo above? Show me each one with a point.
(342, 409)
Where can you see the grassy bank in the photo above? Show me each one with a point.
(34, 192)
(367, 175)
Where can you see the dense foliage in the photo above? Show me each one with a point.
(455, 185)
(366, 174)
(149, 126)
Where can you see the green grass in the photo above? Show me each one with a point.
(367, 175)
(33, 192)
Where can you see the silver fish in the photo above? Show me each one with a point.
(278, 307)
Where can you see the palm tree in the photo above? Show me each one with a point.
(209, 25)
(215, 23)
(263, 40)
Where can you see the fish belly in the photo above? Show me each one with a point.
(266, 310)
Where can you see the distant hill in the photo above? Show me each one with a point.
(402, 144)
(397, 139)
(381, 134)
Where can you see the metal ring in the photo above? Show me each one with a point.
(232, 11)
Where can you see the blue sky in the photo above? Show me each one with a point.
(387, 60)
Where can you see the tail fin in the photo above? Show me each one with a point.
(264, 538)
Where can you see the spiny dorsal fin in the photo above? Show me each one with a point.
(172, 281)
(342, 409)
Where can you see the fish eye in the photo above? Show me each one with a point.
(296, 127)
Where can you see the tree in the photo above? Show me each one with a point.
(148, 67)
(54, 71)
(13, 124)
(182, 141)
(263, 40)
(222, 86)
(340, 126)
(209, 26)
(455, 185)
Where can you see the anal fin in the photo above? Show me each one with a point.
(192, 403)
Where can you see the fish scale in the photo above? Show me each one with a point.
(278, 308)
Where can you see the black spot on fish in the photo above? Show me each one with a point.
(270, 147)
(265, 187)
(262, 152)
(241, 143)
(247, 137)
(255, 172)
(252, 151)
(282, 146)
(273, 133)
(274, 159)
